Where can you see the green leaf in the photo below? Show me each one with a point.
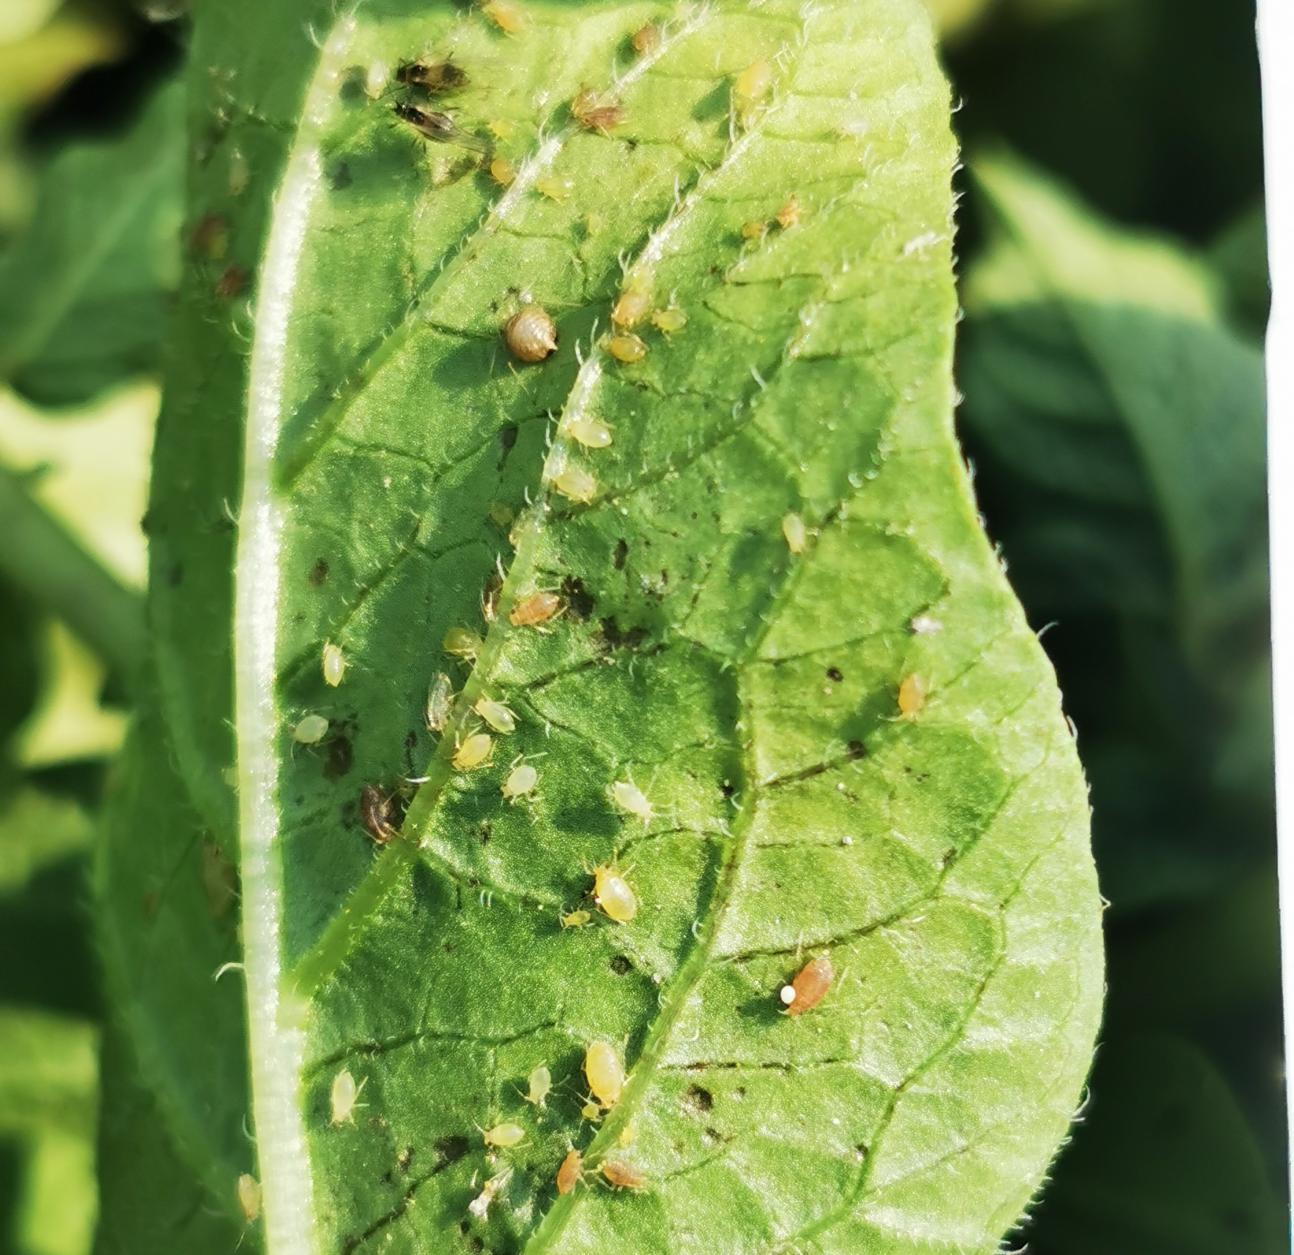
(48, 1080)
(1164, 1163)
(396, 457)
(1121, 423)
(84, 290)
(48, 1069)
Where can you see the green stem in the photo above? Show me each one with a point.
(42, 558)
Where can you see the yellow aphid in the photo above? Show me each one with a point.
(550, 186)
(669, 320)
(789, 214)
(632, 307)
(591, 1111)
(912, 696)
(752, 83)
(310, 730)
(473, 751)
(520, 781)
(344, 1096)
(501, 128)
(440, 701)
(535, 609)
(334, 664)
(505, 1135)
(627, 347)
(462, 643)
(605, 1073)
(249, 1197)
(631, 799)
(575, 919)
(502, 171)
(540, 1082)
(612, 894)
(794, 530)
(576, 484)
(754, 230)
(628, 1134)
(592, 433)
(506, 16)
(496, 714)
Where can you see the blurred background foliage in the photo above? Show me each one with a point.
(1112, 259)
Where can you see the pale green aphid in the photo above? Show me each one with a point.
(520, 781)
(310, 730)
(540, 1082)
(504, 1135)
(496, 714)
(631, 799)
(344, 1096)
(334, 664)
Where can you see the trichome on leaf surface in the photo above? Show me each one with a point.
(606, 641)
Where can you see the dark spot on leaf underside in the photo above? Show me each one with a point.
(507, 438)
(579, 601)
(340, 756)
(340, 177)
(319, 572)
(698, 1100)
(620, 554)
(621, 965)
(450, 1150)
(622, 638)
(856, 749)
(835, 674)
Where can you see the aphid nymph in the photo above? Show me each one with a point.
(539, 1083)
(912, 696)
(344, 1097)
(249, 1197)
(568, 1175)
(631, 799)
(534, 609)
(310, 730)
(596, 112)
(333, 663)
(473, 751)
(520, 781)
(605, 1073)
(623, 1175)
(612, 894)
(440, 701)
(504, 1135)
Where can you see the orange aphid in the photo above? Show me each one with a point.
(623, 1175)
(912, 696)
(568, 1174)
(809, 986)
(535, 609)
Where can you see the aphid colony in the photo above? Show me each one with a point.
(530, 335)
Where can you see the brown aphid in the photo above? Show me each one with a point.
(623, 1175)
(568, 1175)
(376, 812)
(536, 609)
(646, 39)
(434, 77)
(531, 335)
(434, 125)
(490, 596)
(789, 214)
(595, 112)
(809, 986)
(232, 282)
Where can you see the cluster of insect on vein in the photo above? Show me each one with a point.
(473, 732)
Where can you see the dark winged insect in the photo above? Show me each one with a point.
(434, 125)
(377, 813)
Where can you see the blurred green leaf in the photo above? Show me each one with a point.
(1119, 426)
(48, 1082)
(85, 290)
(1239, 257)
(151, 1203)
(1162, 1163)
